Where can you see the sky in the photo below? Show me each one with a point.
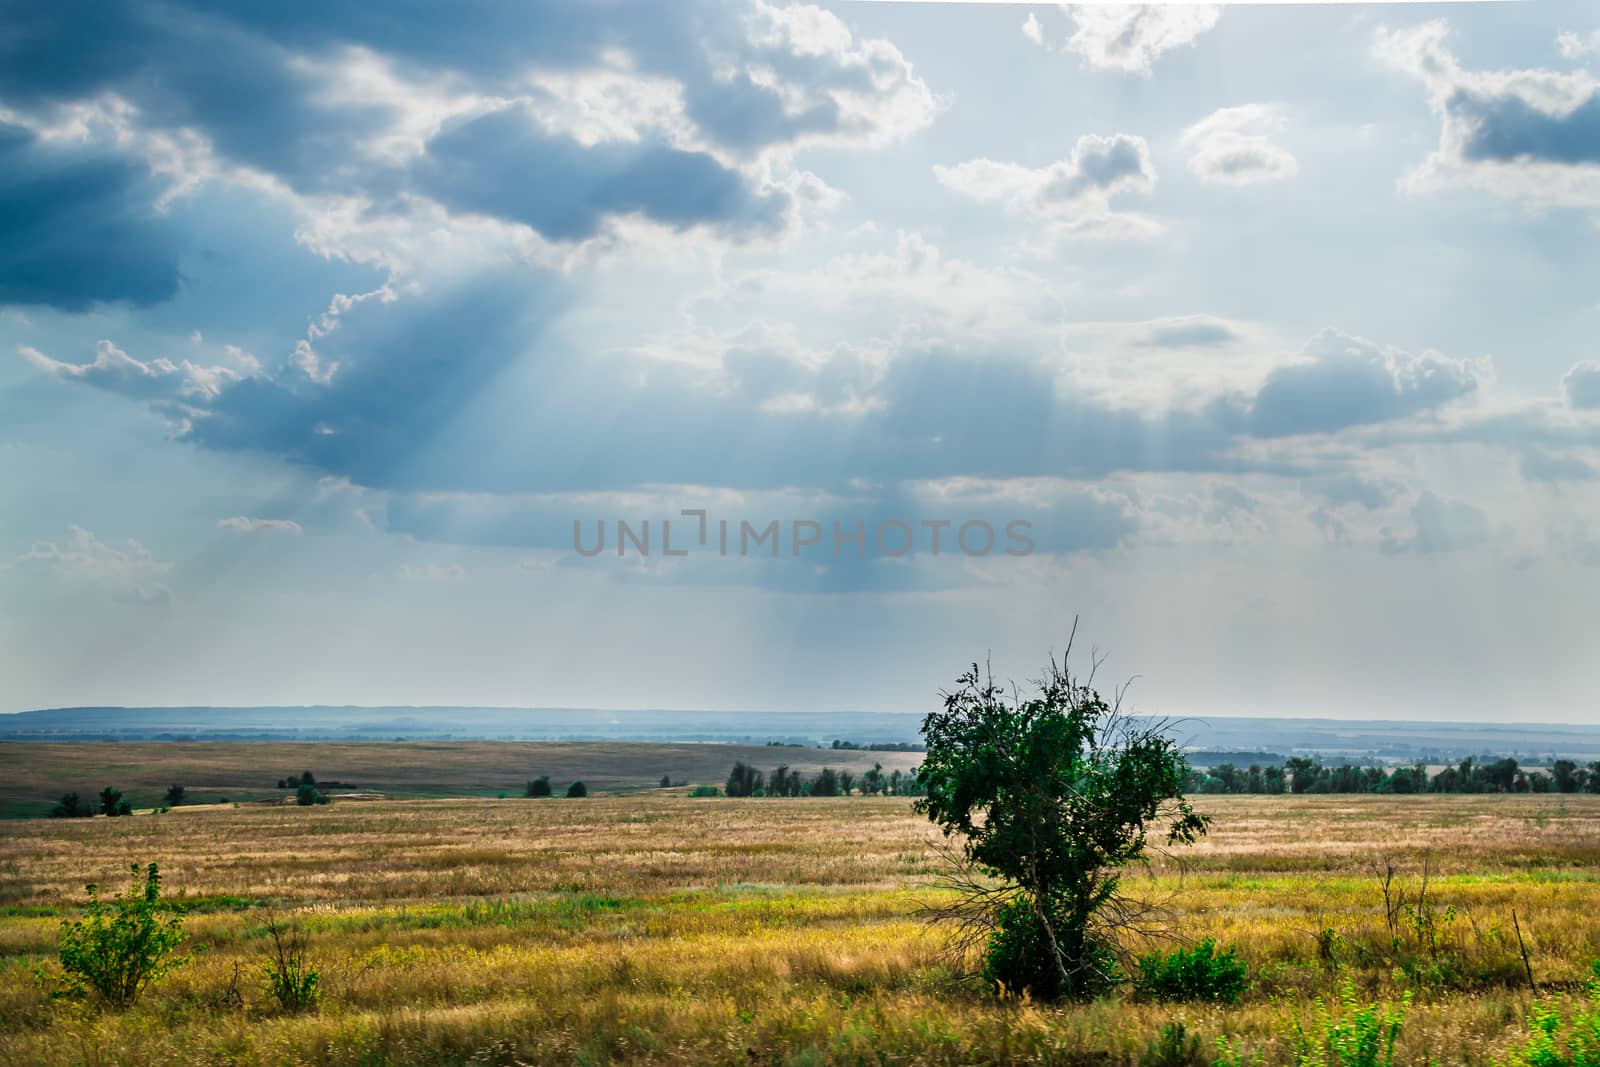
(1262, 340)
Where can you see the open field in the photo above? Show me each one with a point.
(33, 776)
(659, 928)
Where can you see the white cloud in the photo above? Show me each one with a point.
(1072, 196)
(1523, 134)
(1231, 146)
(1032, 29)
(1577, 45)
(128, 572)
(1132, 38)
(246, 524)
(158, 380)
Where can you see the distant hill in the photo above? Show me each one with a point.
(1390, 741)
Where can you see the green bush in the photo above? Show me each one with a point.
(1198, 973)
(703, 791)
(1018, 957)
(538, 787)
(577, 789)
(1351, 1034)
(1559, 1041)
(118, 949)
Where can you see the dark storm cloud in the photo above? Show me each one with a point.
(77, 228)
(1509, 128)
(504, 166)
(253, 79)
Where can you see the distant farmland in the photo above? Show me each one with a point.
(34, 776)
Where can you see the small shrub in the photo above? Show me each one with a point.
(538, 787)
(1174, 1046)
(288, 976)
(1328, 941)
(704, 791)
(1198, 973)
(119, 948)
(1558, 1041)
(1352, 1034)
(577, 789)
(173, 796)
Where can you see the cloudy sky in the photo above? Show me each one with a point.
(1277, 326)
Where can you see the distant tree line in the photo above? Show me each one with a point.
(1301, 774)
(747, 781)
(882, 746)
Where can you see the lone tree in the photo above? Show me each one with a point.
(112, 802)
(72, 806)
(1053, 796)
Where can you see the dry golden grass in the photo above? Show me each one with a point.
(656, 928)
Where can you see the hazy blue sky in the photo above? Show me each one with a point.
(320, 324)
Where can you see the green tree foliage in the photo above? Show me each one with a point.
(1305, 775)
(173, 796)
(538, 787)
(743, 781)
(117, 949)
(71, 806)
(112, 802)
(577, 789)
(1053, 795)
(306, 795)
(1302, 772)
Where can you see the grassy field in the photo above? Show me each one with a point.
(659, 928)
(34, 775)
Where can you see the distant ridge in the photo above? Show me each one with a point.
(1394, 740)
